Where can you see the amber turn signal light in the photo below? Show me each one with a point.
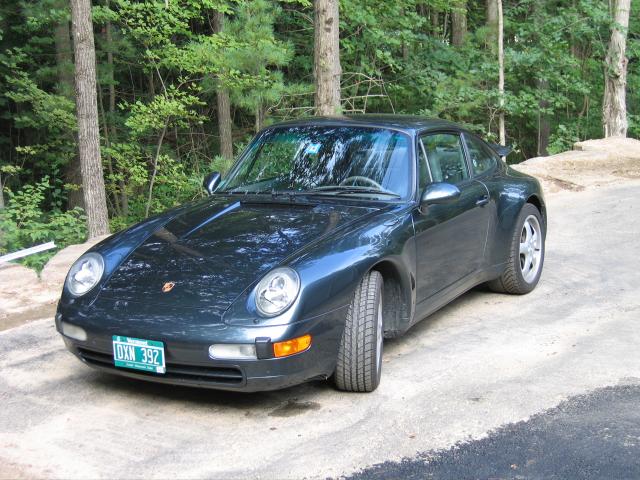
(291, 347)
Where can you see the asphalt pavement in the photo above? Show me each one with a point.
(596, 435)
(492, 386)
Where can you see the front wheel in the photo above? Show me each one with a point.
(359, 363)
(526, 254)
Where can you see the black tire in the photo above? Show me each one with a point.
(360, 354)
(512, 279)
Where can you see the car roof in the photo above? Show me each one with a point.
(407, 123)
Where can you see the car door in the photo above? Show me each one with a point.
(485, 163)
(450, 238)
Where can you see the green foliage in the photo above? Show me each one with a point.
(174, 108)
(563, 139)
(24, 223)
(388, 28)
(173, 185)
(50, 114)
(220, 164)
(257, 54)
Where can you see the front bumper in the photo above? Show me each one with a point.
(188, 362)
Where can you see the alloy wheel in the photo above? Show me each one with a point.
(530, 248)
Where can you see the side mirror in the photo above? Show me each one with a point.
(439, 192)
(211, 181)
(501, 150)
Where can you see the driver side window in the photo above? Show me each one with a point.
(445, 157)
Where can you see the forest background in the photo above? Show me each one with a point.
(182, 85)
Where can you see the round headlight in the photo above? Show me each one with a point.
(85, 274)
(277, 291)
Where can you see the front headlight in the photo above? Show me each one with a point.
(277, 291)
(85, 274)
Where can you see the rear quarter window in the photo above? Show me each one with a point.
(481, 156)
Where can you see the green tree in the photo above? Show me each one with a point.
(258, 52)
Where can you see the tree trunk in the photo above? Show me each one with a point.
(87, 111)
(112, 85)
(459, 24)
(123, 199)
(151, 85)
(435, 22)
(614, 108)
(259, 117)
(224, 104)
(492, 25)
(64, 60)
(225, 123)
(542, 84)
(115, 205)
(445, 25)
(501, 127)
(155, 170)
(1, 192)
(544, 124)
(65, 87)
(326, 57)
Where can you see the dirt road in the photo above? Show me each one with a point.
(484, 361)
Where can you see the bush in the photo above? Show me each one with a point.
(563, 139)
(24, 223)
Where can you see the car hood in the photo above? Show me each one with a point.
(208, 255)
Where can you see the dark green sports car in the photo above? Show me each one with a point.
(326, 236)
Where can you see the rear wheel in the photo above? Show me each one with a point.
(526, 254)
(359, 363)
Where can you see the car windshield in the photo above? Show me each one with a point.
(369, 162)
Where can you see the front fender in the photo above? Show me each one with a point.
(330, 273)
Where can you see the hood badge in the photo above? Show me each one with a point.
(167, 287)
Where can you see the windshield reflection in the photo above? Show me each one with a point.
(370, 162)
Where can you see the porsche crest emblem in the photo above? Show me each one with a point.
(167, 287)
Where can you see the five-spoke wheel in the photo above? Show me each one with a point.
(526, 254)
(530, 248)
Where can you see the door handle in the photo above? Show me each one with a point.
(482, 200)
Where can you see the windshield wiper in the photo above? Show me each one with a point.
(346, 189)
(328, 190)
(273, 193)
(290, 194)
(239, 192)
(281, 193)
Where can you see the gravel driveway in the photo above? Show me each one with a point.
(482, 363)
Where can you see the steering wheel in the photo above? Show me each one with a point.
(359, 178)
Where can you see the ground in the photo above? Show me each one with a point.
(590, 436)
(26, 295)
(491, 386)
